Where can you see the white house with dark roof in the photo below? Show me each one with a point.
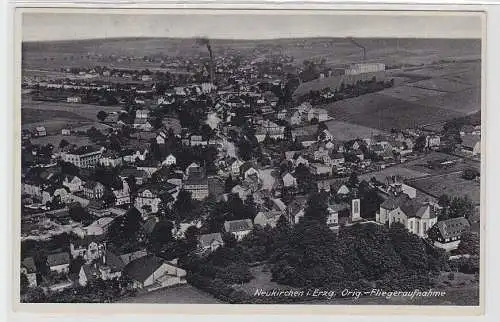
(238, 228)
(446, 234)
(152, 273)
(58, 262)
(107, 267)
(210, 242)
(267, 218)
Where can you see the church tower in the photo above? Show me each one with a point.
(355, 209)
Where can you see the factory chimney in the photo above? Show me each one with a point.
(355, 43)
(206, 42)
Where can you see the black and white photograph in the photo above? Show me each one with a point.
(277, 158)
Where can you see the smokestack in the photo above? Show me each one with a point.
(206, 42)
(355, 43)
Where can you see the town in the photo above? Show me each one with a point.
(205, 177)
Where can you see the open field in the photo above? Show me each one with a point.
(56, 139)
(451, 184)
(459, 164)
(426, 95)
(344, 131)
(410, 93)
(185, 294)
(87, 53)
(402, 171)
(36, 111)
(383, 112)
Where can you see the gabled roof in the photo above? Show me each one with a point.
(141, 268)
(469, 141)
(452, 227)
(29, 263)
(207, 239)
(92, 185)
(238, 225)
(58, 259)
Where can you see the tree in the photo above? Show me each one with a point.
(101, 116)
(229, 184)
(316, 208)
(460, 207)
(75, 265)
(470, 174)
(24, 283)
(184, 204)
(63, 144)
(469, 244)
(79, 214)
(161, 234)
(353, 180)
(288, 133)
(420, 144)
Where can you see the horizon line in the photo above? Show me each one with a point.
(250, 39)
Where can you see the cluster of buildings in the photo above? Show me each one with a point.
(295, 158)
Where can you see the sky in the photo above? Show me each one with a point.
(73, 26)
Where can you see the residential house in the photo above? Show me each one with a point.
(83, 157)
(432, 141)
(66, 132)
(151, 273)
(28, 268)
(319, 114)
(197, 184)
(89, 248)
(111, 159)
(40, 131)
(325, 135)
(470, 130)
(446, 234)
(128, 257)
(343, 190)
(296, 118)
(416, 217)
(289, 181)
(73, 99)
(137, 154)
(248, 169)
(242, 191)
(267, 218)
(271, 129)
(140, 176)
(122, 196)
(98, 227)
(238, 228)
(299, 159)
(320, 169)
(337, 159)
(281, 115)
(210, 242)
(107, 267)
(471, 144)
(148, 198)
(169, 160)
(93, 190)
(197, 140)
(324, 185)
(161, 138)
(73, 183)
(58, 262)
(235, 167)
